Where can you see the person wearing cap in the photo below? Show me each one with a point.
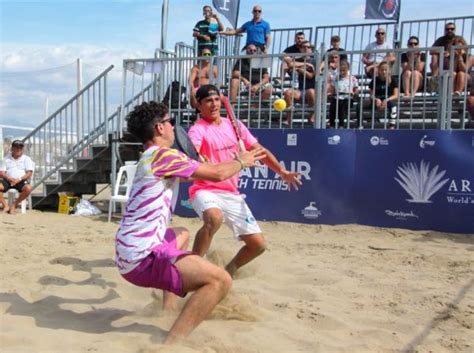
(217, 202)
(15, 171)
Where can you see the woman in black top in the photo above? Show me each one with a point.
(413, 66)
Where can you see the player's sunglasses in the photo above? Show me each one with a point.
(172, 121)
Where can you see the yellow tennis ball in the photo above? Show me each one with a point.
(279, 104)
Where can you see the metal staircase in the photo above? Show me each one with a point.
(72, 149)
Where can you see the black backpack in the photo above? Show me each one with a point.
(178, 96)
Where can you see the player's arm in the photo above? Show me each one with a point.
(227, 169)
(291, 178)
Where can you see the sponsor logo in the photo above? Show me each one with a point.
(250, 220)
(334, 140)
(376, 141)
(311, 211)
(291, 139)
(400, 214)
(389, 8)
(424, 142)
(421, 183)
(460, 192)
(186, 204)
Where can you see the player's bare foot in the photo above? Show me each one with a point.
(12, 210)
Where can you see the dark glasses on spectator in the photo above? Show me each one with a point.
(413, 43)
(206, 54)
(450, 28)
(252, 51)
(380, 33)
(306, 47)
(172, 121)
(257, 10)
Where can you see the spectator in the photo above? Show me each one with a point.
(336, 46)
(256, 81)
(460, 66)
(205, 31)
(221, 202)
(384, 92)
(201, 74)
(305, 68)
(470, 97)
(372, 59)
(258, 31)
(413, 68)
(148, 252)
(333, 65)
(15, 172)
(446, 42)
(343, 88)
(292, 49)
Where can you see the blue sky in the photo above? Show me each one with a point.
(50, 34)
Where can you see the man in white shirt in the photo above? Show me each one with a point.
(372, 59)
(15, 171)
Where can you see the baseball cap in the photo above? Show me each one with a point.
(206, 91)
(18, 143)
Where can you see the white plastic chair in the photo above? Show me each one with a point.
(13, 194)
(123, 185)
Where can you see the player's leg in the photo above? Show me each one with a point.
(210, 283)
(3, 188)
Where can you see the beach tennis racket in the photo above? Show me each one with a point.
(233, 120)
(183, 143)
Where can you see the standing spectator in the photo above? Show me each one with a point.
(15, 172)
(257, 81)
(413, 68)
(292, 49)
(305, 68)
(343, 89)
(205, 31)
(372, 59)
(221, 202)
(336, 46)
(151, 254)
(384, 92)
(201, 74)
(257, 29)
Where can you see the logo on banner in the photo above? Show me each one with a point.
(460, 192)
(334, 140)
(400, 215)
(420, 182)
(424, 142)
(311, 211)
(375, 141)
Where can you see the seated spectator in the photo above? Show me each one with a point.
(205, 31)
(201, 74)
(470, 97)
(333, 65)
(15, 171)
(336, 46)
(413, 68)
(257, 29)
(306, 71)
(343, 88)
(372, 59)
(256, 81)
(384, 92)
(292, 49)
(460, 66)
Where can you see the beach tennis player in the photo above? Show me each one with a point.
(217, 202)
(148, 253)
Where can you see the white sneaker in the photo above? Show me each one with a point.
(393, 113)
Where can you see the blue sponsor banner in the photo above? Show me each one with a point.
(415, 179)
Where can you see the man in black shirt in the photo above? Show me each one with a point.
(292, 49)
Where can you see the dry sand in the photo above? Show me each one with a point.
(318, 288)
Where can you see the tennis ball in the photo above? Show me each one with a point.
(279, 104)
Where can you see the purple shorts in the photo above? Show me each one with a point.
(158, 270)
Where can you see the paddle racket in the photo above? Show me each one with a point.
(183, 143)
(233, 120)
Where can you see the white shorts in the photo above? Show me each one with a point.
(237, 215)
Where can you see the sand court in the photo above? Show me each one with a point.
(318, 288)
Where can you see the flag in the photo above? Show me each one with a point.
(382, 10)
(229, 8)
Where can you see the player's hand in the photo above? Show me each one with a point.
(249, 158)
(292, 179)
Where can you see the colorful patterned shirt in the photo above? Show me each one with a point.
(151, 203)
